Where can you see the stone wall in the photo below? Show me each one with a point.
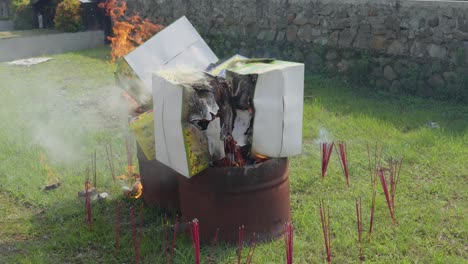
(401, 46)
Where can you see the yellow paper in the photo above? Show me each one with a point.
(143, 128)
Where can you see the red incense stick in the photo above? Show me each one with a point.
(94, 169)
(359, 225)
(166, 249)
(394, 174)
(239, 244)
(129, 156)
(326, 229)
(215, 240)
(140, 232)
(194, 231)
(383, 182)
(109, 161)
(134, 236)
(252, 246)
(88, 202)
(288, 238)
(373, 171)
(174, 237)
(117, 227)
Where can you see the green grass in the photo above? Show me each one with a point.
(26, 33)
(65, 108)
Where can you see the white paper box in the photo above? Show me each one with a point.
(278, 104)
(177, 44)
(180, 144)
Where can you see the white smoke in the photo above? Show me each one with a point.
(324, 136)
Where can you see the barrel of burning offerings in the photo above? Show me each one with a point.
(159, 182)
(256, 197)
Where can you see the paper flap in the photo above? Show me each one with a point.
(179, 43)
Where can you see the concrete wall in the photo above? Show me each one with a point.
(418, 47)
(40, 45)
(4, 8)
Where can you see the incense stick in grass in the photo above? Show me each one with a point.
(88, 200)
(326, 149)
(129, 156)
(94, 169)
(383, 182)
(166, 247)
(117, 227)
(215, 240)
(140, 232)
(252, 246)
(195, 234)
(239, 244)
(134, 236)
(110, 163)
(326, 230)
(394, 175)
(344, 160)
(358, 204)
(373, 171)
(371, 221)
(288, 238)
(174, 237)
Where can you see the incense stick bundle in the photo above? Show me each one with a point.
(394, 166)
(383, 182)
(373, 171)
(344, 161)
(326, 149)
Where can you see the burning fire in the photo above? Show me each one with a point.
(136, 190)
(128, 32)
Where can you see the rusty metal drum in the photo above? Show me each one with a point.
(160, 187)
(256, 197)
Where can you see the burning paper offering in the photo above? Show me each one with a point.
(274, 91)
(216, 114)
(203, 120)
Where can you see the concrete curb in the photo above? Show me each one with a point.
(39, 45)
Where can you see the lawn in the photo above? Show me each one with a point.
(55, 114)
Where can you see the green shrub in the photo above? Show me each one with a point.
(23, 14)
(68, 16)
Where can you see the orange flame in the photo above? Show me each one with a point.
(260, 158)
(129, 32)
(136, 190)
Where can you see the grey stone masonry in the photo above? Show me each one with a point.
(398, 40)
